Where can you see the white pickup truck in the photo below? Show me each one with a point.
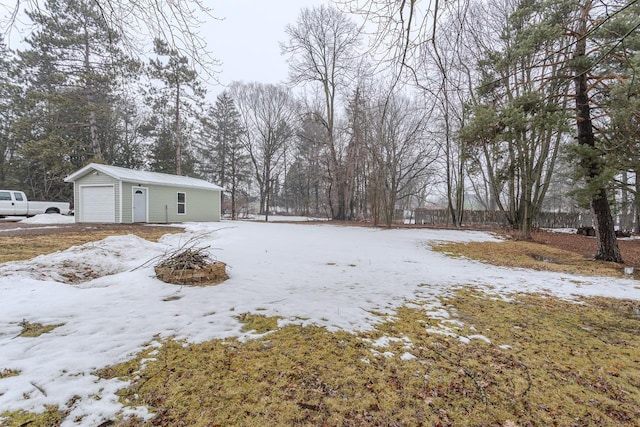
(15, 203)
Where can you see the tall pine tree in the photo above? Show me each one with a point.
(69, 71)
(224, 158)
(519, 119)
(179, 96)
(10, 96)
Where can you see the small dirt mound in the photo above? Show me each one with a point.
(191, 267)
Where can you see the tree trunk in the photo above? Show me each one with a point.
(267, 200)
(605, 233)
(234, 215)
(337, 188)
(178, 136)
(607, 244)
(460, 193)
(93, 125)
(636, 206)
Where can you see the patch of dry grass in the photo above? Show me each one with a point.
(523, 254)
(258, 323)
(32, 330)
(6, 373)
(16, 248)
(549, 362)
(50, 417)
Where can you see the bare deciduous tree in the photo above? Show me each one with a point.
(448, 79)
(267, 113)
(322, 49)
(401, 154)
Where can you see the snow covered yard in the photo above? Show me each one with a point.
(342, 278)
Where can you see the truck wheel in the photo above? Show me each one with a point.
(52, 211)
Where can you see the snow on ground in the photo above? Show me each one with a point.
(561, 230)
(40, 219)
(328, 275)
(286, 218)
(49, 219)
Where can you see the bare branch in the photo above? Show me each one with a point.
(138, 22)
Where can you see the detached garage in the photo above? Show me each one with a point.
(111, 194)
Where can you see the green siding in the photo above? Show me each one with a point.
(127, 202)
(201, 205)
(95, 179)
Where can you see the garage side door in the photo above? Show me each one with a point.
(97, 204)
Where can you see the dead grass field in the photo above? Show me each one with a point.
(21, 244)
(536, 256)
(525, 360)
(531, 360)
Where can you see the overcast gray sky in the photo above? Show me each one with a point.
(247, 40)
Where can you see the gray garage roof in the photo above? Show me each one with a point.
(143, 177)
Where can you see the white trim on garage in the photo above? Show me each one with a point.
(97, 203)
(120, 205)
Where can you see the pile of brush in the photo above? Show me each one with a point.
(187, 259)
(192, 266)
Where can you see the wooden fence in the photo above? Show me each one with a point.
(497, 219)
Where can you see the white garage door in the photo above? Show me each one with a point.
(97, 204)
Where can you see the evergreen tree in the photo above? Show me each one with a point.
(519, 119)
(129, 152)
(179, 97)
(225, 160)
(10, 96)
(601, 35)
(69, 74)
(225, 132)
(621, 99)
(161, 151)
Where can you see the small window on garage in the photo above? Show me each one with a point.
(18, 197)
(182, 203)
